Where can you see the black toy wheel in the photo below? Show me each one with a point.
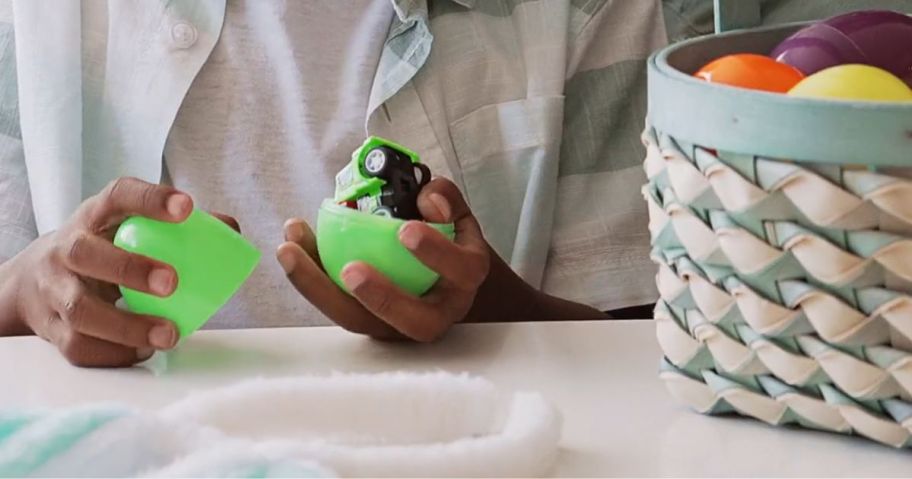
(378, 161)
(384, 211)
(423, 174)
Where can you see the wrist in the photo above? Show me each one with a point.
(504, 296)
(552, 308)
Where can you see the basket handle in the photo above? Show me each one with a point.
(734, 14)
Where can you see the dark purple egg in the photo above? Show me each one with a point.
(816, 48)
(879, 38)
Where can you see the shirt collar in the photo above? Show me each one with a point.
(404, 8)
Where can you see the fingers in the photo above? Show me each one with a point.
(298, 231)
(228, 220)
(94, 257)
(464, 268)
(132, 197)
(463, 263)
(307, 277)
(90, 316)
(417, 319)
(440, 201)
(86, 351)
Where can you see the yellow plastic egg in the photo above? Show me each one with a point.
(853, 82)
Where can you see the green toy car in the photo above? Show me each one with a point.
(384, 179)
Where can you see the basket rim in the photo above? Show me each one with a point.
(769, 124)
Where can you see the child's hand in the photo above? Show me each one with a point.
(381, 309)
(63, 286)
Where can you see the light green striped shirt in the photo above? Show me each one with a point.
(533, 107)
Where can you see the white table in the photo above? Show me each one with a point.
(618, 418)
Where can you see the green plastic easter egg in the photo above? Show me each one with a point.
(211, 259)
(345, 235)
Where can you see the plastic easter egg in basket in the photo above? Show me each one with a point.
(755, 72)
(854, 82)
(817, 48)
(879, 38)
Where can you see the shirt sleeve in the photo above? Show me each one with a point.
(17, 222)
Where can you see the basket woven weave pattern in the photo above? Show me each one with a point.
(786, 288)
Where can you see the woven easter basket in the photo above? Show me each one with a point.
(782, 229)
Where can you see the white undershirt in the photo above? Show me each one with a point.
(275, 112)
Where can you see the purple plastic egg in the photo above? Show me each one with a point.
(816, 48)
(879, 38)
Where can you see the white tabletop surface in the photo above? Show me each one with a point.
(618, 418)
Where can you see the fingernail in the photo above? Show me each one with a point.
(410, 235)
(287, 260)
(442, 205)
(161, 281)
(353, 277)
(162, 337)
(294, 231)
(178, 205)
(143, 354)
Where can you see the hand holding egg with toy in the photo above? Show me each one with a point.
(376, 193)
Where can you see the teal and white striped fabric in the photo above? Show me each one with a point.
(115, 441)
(355, 425)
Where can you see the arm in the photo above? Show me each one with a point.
(63, 285)
(504, 296)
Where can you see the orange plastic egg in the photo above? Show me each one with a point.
(755, 72)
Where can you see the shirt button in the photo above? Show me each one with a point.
(183, 35)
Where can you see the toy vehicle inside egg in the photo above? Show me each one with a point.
(384, 179)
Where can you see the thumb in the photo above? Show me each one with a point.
(440, 201)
